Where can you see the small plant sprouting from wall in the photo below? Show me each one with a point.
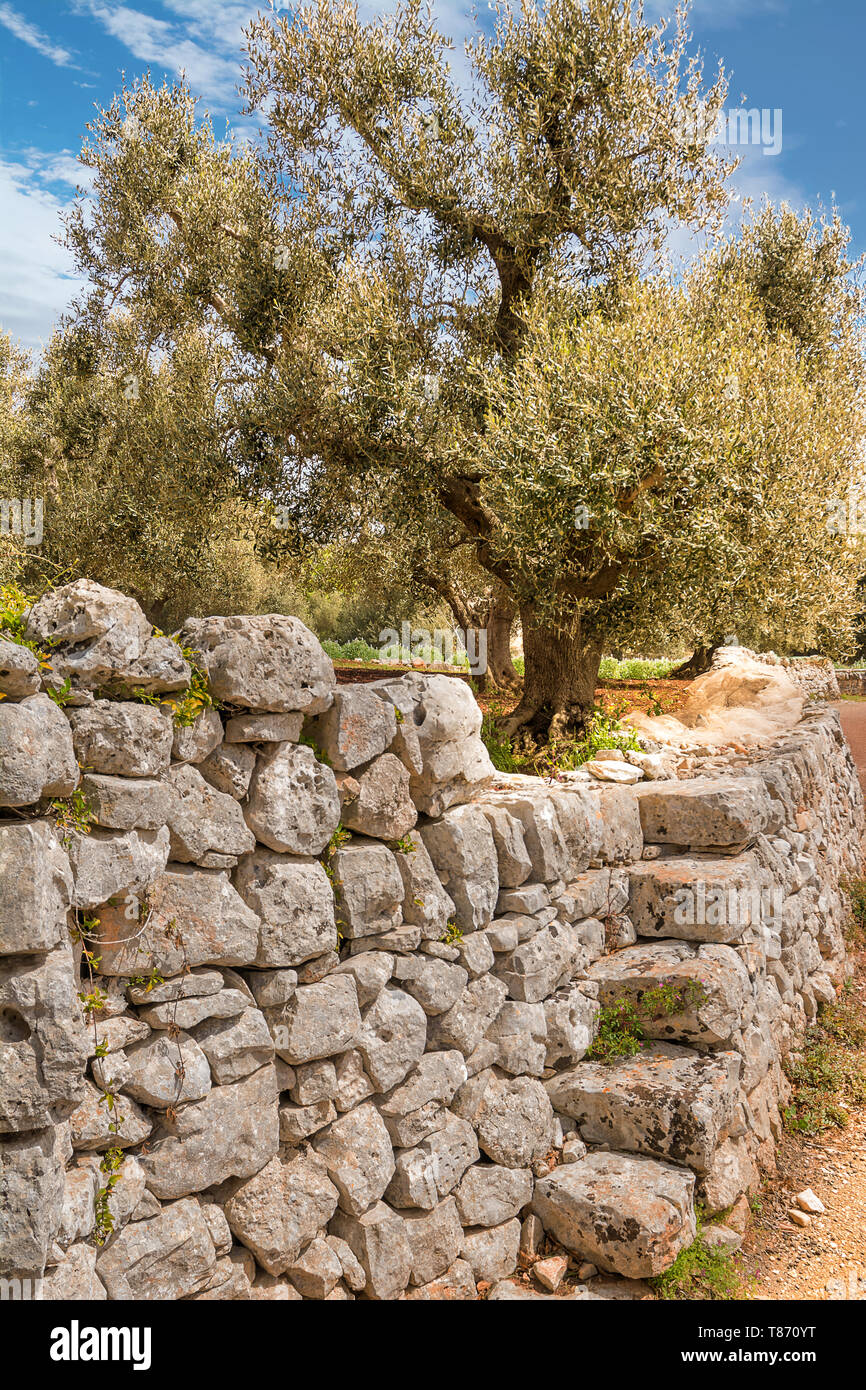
(622, 1022)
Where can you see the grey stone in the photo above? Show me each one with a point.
(293, 805)
(489, 1194)
(425, 902)
(167, 1257)
(295, 902)
(264, 728)
(392, 1038)
(318, 1021)
(299, 1122)
(357, 727)
(207, 827)
(264, 662)
(436, 984)
(370, 971)
(127, 803)
(704, 813)
(435, 1238)
(31, 1198)
(572, 1020)
(75, 1280)
(43, 1043)
(232, 1132)
(515, 1123)
(369, 888)
(19, 670)
(94, 1126)
(36, 754)
(277, 1212)
(316, 1271)
(234, 1047)
(122, 737)
(381, 806)
(538, 966)
(187, 1013)
(229, 768)
(194, 742)
(427, 1173)
(216, 926)
(712, 981)
(515, 865)
(153, 1071)
(357, 1152)
(466, 1022)
(492, 1251)
(709, 899)
(456, 1284)
(630, 1216)
(94, 633)
(35, 888)
(667, 1102)
(520, 1034)
(106, 863)
(379, 1243)
(463, 852)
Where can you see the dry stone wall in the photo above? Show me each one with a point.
(353, 1062)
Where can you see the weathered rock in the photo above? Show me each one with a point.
(216, 926)
(392, 1038)
(31, 1197)
(318, 1021)
(43, 1043)
(415, 1108)
(456, 1284)
(153, 1077)
(667, 1102)
(194, 742)
(489, 1194)
(264, 662)
(709, 899)
(572, 1019)
(357, 727)
(299, 1122)
(369, 888)
(293, 805)
(122, 737)
(630, 1216)
(35, 888)
(316, 1272)
(520, 1034)
(428, 1172)
(379, 1243)
(695, 994)
(538, 966)
(466, 1022)
(621, 835)
(36, 754)
(234, 1047)
(19, 671)
(435, 1238)
(704, 813)
(265, 728)
(187, 1013)
(232, 1132)
(357, 1152)
(75, 1279)
(370, 971)
(94, 633)
(106, 863)
(491, 1251)
(277, 1212)
(381, 806)
(732, 1172)
(229, 768)
(314, 1081)
(515, 1122)
(515, 865)
(463, 852)
(535, 808)
(207, 827)
(167, 1257)
(94, 1126)
(436, 984)
(127, 803)
(438, 739)
(295, 902)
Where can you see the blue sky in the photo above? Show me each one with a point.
(59, 57)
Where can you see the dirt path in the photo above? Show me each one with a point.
(827, 1259)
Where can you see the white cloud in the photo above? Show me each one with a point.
(29, 34)
(209, 69)
(38, 277)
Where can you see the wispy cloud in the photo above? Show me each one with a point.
(38, 276)
(29, 34)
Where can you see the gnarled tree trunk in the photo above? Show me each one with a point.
(560, 678)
